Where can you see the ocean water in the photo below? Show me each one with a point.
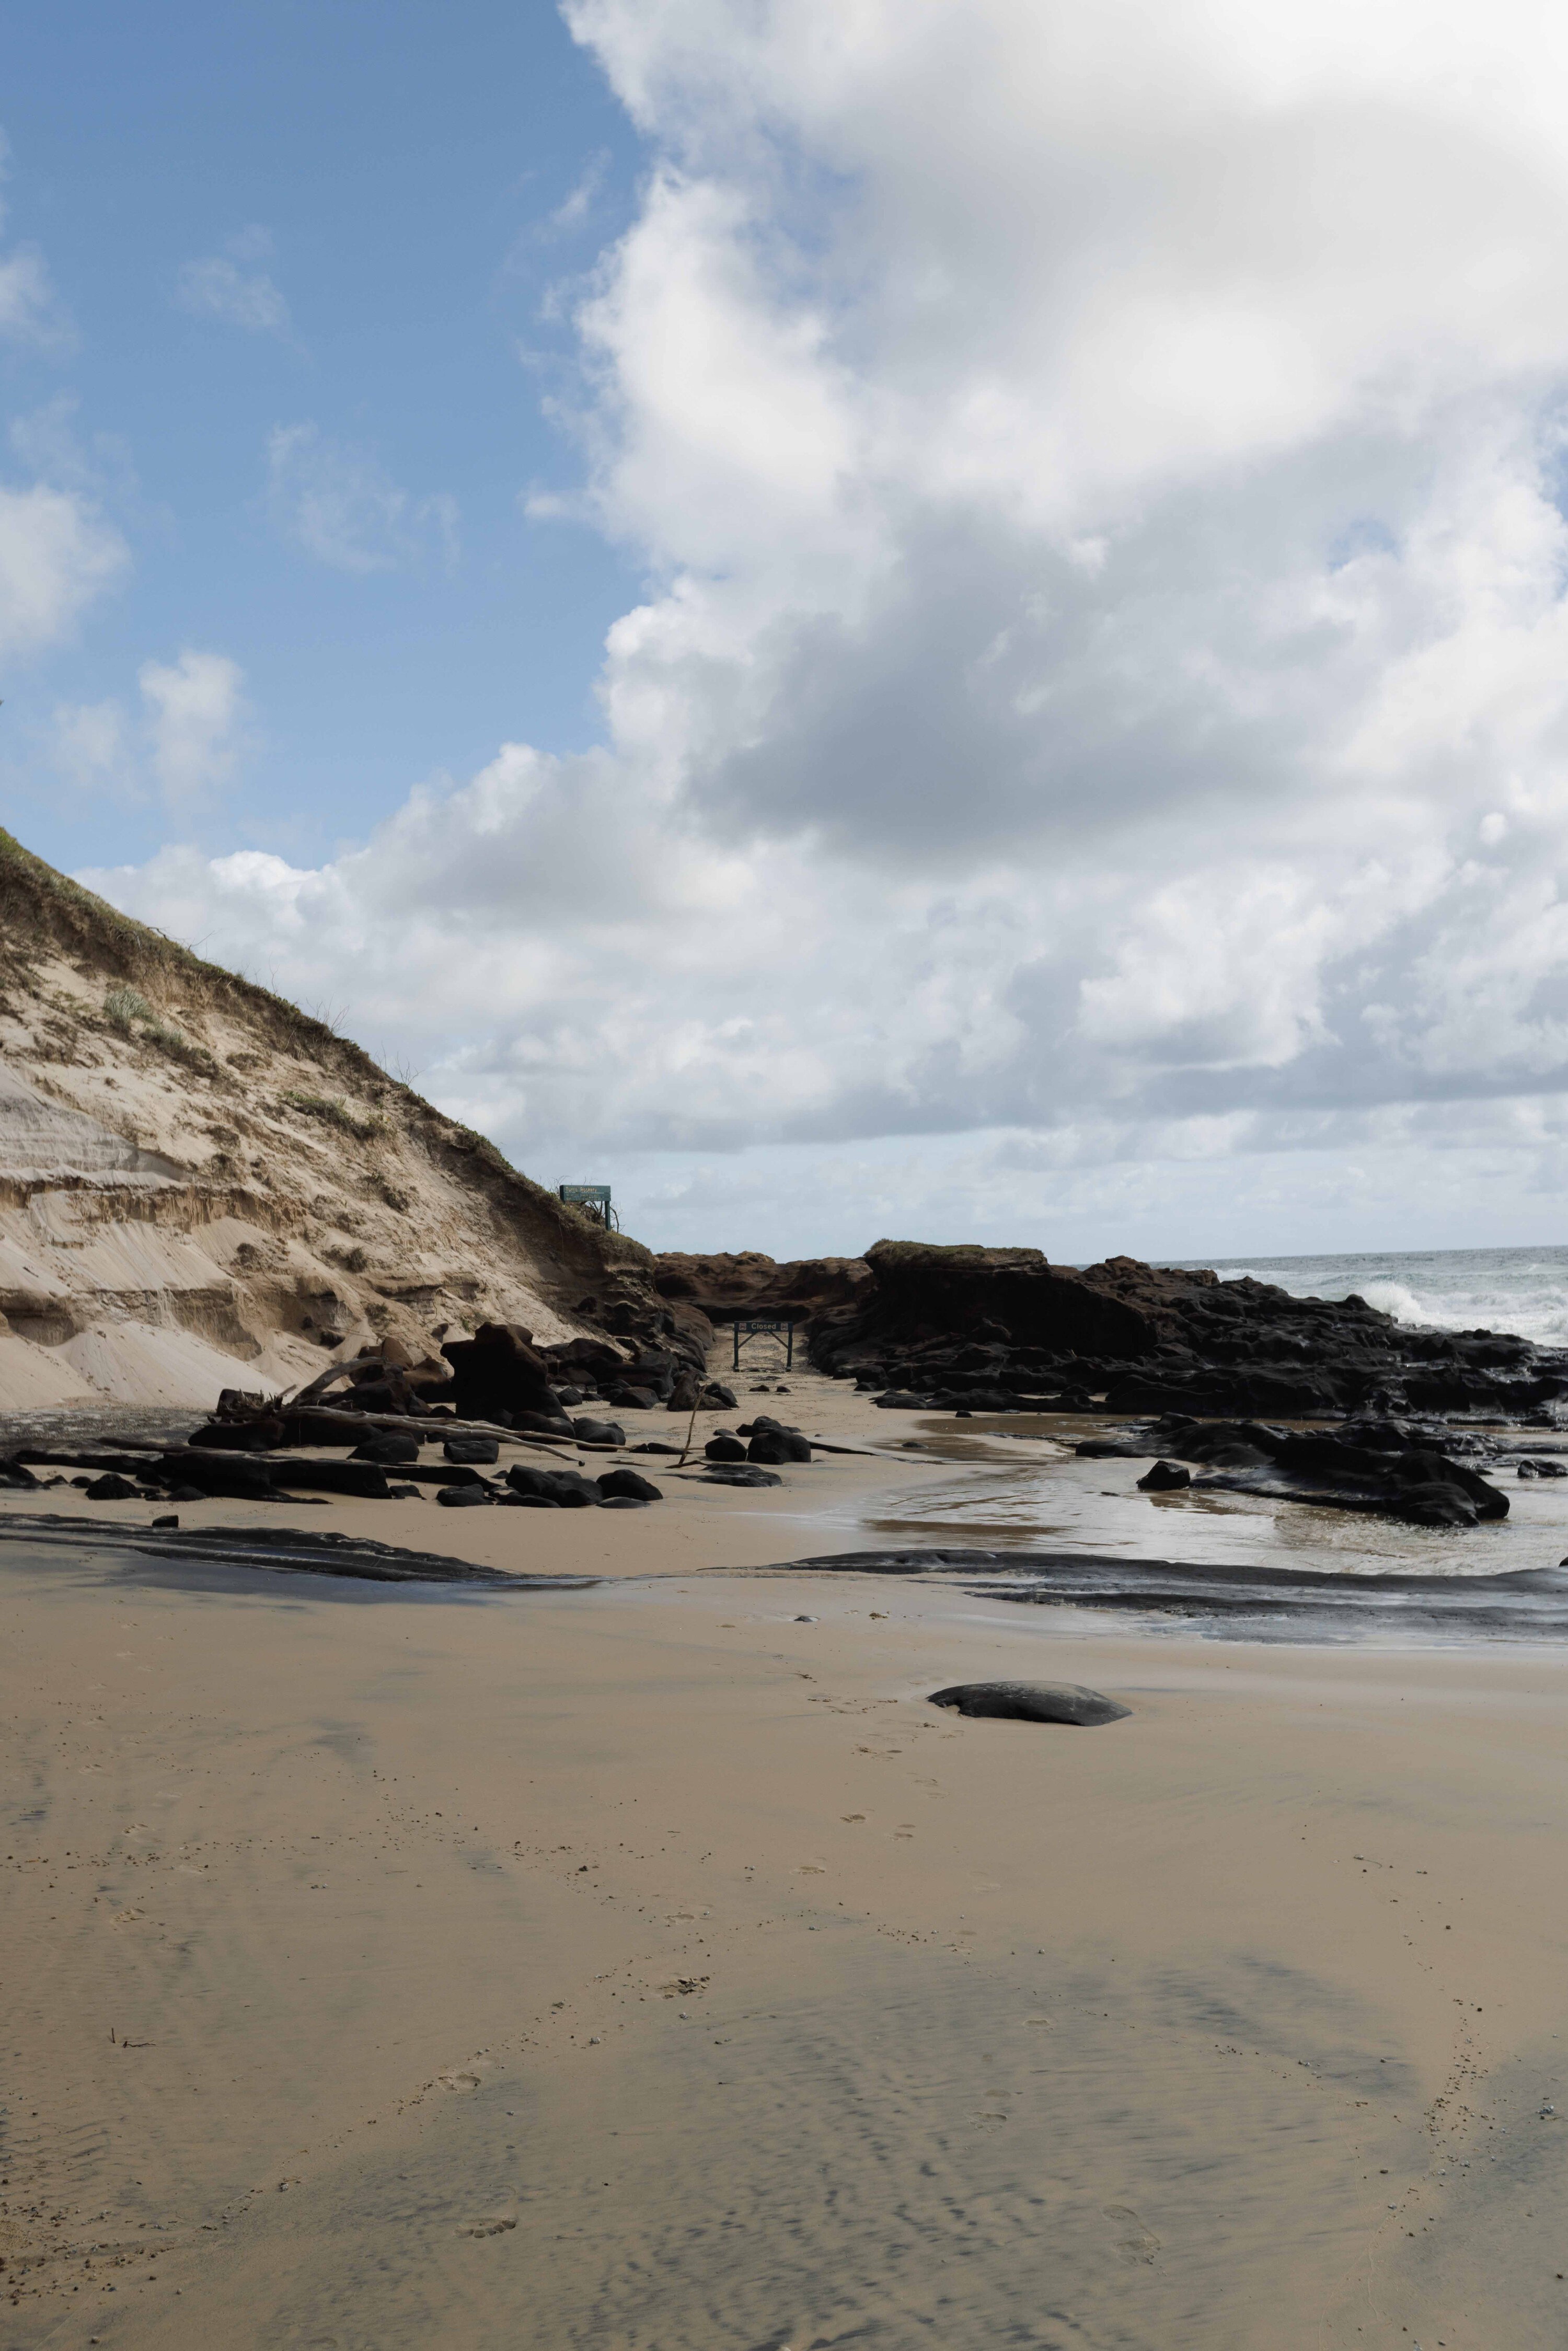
(1524, 1291)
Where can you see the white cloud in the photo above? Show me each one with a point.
(1104, 677)
(57, 554)
(91, 747)
(342, 507)
(229, 285)
(30, 310)
(194, 710)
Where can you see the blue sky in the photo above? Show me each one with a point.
(411, 185)
(942, 617)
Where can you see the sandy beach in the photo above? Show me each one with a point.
(651, 1965)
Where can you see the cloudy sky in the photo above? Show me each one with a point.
(946, 617)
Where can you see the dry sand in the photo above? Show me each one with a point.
(646, 1967)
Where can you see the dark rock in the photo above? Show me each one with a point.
(462, 1498)
(653, 1445)
(193, 1473)
(362, 1480)
(167, 1522)
(900, 1400)
(530, 1501)
(720, 1397)
(110, 1488)
(1031, 1702)
(622, 1485)
(623, 1502)
(238, 1436)
(481, 1451)
(726, 1288)
(1164, 1478)
(567, 1487)
(599, 1432)
(773, 1446)
(389, 1451)
(739, 1473)
(406, 1493)
(627, 1398)
(15, 1474)
(544, 1424)
(499, 1368)
(725, 1448)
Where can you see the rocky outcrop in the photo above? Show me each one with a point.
(202, 1186)
(1397, 1468)
(723, 1287)
(991, 1329)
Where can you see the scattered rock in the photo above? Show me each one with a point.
(462, 1498)
(599, 1432)
(628, 1485)
(566, 1487)
(110, 1488)
(1164, 1478)
(390, 1450)
(479, 1451)
(772, 1445)
(725, 1448)
(1067, 1702)
(739, 1473)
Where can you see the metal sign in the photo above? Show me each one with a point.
(594, 1197)
(762, 1326)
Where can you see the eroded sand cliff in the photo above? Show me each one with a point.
(201, 1186)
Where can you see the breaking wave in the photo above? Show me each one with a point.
(1524, 1291)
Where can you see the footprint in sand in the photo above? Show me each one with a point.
(125, 1917)
(462, 2080)
(487, 2224)
(1136, 2243)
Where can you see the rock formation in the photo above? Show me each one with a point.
(989, 1328)
(201, 1186)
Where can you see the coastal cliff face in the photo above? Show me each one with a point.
(201, 1186)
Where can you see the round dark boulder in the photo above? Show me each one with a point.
(462, 1498)
(1031, 1702)
(110, 1487)
(628, 1486)
(725, 1448)
(599, 1432)
(772, 1445)
(1164, 1478)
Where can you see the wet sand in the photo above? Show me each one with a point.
(644, 1967)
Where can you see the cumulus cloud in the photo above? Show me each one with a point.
(231, 285)
(194, 712)
(342, 506)
(1102, 688)
(57, 554)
